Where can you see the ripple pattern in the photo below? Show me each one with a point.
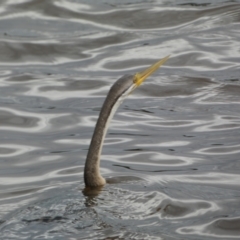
(171, 156)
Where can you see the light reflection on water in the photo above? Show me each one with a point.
(171, 156)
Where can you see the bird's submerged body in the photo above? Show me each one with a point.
(118, 92)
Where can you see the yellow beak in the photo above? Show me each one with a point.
(140, 77)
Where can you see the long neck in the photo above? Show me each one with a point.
(92, 175)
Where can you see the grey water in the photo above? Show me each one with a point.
(173, 148)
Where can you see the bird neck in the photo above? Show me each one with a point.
(92, 175)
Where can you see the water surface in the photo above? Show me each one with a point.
(172, 150)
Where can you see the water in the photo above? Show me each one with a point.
(172, 150)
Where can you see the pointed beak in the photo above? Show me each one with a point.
(140, 77)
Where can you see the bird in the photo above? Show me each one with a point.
(117, 93)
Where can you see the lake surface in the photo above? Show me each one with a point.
(173, 148)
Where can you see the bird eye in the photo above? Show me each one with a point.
(136, 78)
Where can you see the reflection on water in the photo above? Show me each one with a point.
(171, 157)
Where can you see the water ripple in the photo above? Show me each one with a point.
(171, 154)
